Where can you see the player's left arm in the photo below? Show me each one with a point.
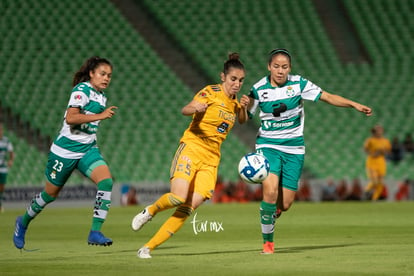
(340, 101)
(244, 103)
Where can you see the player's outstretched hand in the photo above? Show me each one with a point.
(109, 112)
(364, 109)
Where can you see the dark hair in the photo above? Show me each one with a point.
(279, 51)
(90, 65)
(374, 128)
(233, 62)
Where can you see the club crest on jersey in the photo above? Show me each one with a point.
(290, 92)
(202, 94)
(77, 97)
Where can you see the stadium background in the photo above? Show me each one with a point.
(164, 51)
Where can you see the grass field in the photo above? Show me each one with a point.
(362, 238)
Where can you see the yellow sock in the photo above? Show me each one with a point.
(166, 201)
(171, 226)
(378, 191)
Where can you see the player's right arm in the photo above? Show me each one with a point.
(199, 103)
(194, 107)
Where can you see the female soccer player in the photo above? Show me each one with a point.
(76, 148)
(279, 97)
(6, 162)
(193, 173)
(377, 147)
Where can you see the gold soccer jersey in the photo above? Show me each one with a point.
(208, 130)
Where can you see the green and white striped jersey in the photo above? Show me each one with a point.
(5, 148)
(282, 112)
(75, 140)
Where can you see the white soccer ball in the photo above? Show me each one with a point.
(254, 168)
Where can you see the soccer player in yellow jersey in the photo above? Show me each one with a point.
(377, 148)
(193, 173)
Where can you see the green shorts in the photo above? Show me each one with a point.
(285, 165)
(3, 178)
(59, 169)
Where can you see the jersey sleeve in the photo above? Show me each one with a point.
(310, 91)
(79, 96)
(253, 95)
(204, 95)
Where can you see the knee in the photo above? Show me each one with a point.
(270, 196)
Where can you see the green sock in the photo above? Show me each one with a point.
(1, 198)
(102, 203)
(38, 203)
(267, 220)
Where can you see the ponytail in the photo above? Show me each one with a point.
(233, 62)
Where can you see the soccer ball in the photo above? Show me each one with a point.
(254, 168)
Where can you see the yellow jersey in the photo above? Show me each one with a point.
(208, 130)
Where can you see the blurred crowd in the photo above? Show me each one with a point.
(341, 190)
(330, 191)
(227, 192)
(129, 195)
(236, 192)
(401, 149)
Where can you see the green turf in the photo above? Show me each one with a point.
(312, 239)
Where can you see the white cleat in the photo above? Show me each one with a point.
(139, 220)
(144, 253)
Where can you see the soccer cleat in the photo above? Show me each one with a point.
(97, 238)
(144, 253)
(278, 213)
(268, 248)
(19, 233)
(139, 220)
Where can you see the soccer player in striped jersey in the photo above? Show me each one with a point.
(193, 175)
(279, 96)
(6, 161)
(75, 148)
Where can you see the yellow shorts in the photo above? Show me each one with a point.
(186, 165)
(377, 166)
